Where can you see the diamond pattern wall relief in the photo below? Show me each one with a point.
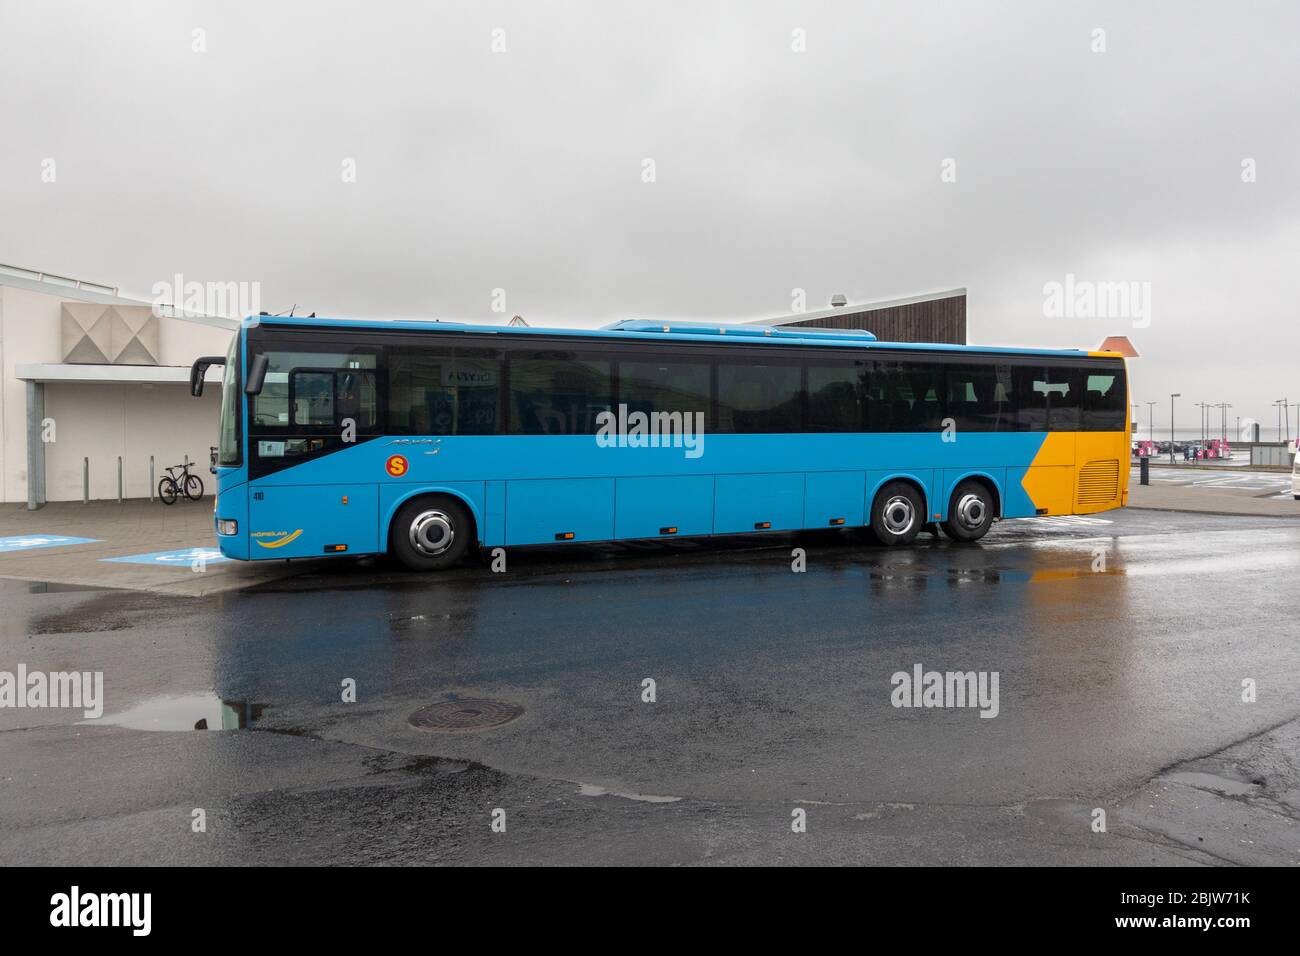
(96, 334)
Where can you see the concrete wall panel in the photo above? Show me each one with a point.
(100, 421)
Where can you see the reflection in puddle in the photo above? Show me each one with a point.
(959, 576)
(1210, 781)
(204, 711)
(591, 790)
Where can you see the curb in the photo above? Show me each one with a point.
(1198, 511)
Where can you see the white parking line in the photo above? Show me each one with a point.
(1058, 521)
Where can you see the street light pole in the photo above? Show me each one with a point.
(1171, 424)
(1151, 420)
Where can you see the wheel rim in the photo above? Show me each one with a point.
(432, 532)
(898, 515)
(971, 511)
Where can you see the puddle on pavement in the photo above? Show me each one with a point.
(883, 810)
(591, 790)
(204, 711)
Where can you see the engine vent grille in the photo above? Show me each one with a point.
(1099, 482)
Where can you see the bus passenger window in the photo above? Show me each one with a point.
(756, 399)
(835, 396)
(1104, 399)
(557, 393)
(1049, 399)
(971, 401)
(436, 390)
(668, 384)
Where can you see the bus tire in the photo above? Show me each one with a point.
(970, 512)
(431, 532)
(897, 513)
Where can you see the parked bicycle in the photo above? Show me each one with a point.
(179, 481)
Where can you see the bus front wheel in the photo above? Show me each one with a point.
(897, 514)
(970, 512)
(431, 533)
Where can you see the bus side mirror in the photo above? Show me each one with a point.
(256, 375)
(200, 369)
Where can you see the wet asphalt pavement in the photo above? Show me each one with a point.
(1119, 689)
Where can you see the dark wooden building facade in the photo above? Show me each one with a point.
(940, 317)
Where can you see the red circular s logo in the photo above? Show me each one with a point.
(397, 466)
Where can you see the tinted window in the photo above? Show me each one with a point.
(312, 392)
(904, 396)
(271, 406)
(664, 384)
(926, 382)
(228, 444)
(835, 397)
(980, 397)
(1105, 399)
(1049, 398)
(754, 398)
(557, 392)
(877, 399)
(443, 391)
(325, 398)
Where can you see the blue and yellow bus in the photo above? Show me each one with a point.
(427, 439)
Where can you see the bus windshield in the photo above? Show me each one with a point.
(228, 431)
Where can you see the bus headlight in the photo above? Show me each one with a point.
(227, 526)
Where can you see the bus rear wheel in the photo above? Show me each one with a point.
(897, 514)
(431, 533)
(970, 512)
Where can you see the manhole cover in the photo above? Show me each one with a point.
(452, 716)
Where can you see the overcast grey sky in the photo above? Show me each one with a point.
(774, 169)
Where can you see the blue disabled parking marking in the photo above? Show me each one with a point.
(24, 542)
(176, 559)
